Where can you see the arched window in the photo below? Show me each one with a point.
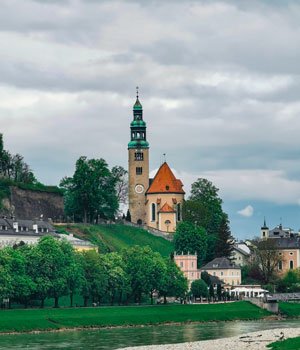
(280, 265)
(291, 264)
(178, 212)
(153, 213)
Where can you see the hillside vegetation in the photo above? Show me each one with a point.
(116, 237)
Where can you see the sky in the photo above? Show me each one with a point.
(219, 83)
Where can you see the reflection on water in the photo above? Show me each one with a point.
(108, 339)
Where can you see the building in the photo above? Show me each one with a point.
(240, 254)
(226, 271)
(277, 232)
(289, 251)
(188, 265)
(14, 231)
(77, 243)
(156, 202)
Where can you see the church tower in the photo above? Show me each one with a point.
(138, 165)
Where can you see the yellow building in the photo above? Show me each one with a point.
(157, 202)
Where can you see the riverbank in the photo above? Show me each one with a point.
(32, 320)
(256, 341)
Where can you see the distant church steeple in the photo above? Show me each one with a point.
(138, 164)
(264, 230)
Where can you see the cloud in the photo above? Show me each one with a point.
(247, 211)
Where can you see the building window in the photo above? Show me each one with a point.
(291, 264)
(178, 212)
(291, 253)
(139, 170)
(153, 209)
(138, 156)
(181, 264)
(280, 265)
(192, 264)
(222, 273)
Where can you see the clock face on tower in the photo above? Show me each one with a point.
(139, 189)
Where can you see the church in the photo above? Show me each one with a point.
(157, 202)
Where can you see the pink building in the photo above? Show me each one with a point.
(188, 265)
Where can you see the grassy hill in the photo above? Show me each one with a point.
(116, 237)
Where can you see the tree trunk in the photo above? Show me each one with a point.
(86, 300)
(165, 299)
(120, 298)
(56, 302)
(42, 303)
(151, 296)
(71, 299)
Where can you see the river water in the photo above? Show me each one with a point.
(105, 339)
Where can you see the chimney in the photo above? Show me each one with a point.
(15, 226)
(35, 228)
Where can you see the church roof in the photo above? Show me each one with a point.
(165, 181)
(166, 208)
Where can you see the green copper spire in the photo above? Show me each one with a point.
(137, 106)
(138, 126)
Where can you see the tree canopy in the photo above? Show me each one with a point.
(90, 193)
(204, 209)
(191, 239)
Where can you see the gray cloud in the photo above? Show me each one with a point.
(219, 83)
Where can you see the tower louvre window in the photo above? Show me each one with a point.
(139, 170)
(138, 156)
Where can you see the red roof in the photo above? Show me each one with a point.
(166, 209)
(165, 182)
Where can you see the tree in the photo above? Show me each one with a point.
(219, 291)
(146, 270)
(191, 239)
(224, 241)
(199, 289)
(211, 292)
(204, 208)
(205, 277)
(95, 281)
(267, 258)
(118, 280)
(128, 216)
(90, 194)
(173, 282)
(121, 179)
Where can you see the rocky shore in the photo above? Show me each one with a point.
(255, 340)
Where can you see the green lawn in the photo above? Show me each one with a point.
(45, 319)
(116, 237)
(290, 309)
(289, 344)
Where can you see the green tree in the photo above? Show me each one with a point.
(6, 278)
(205, 277)
(191, 239)
(145, 269)
(204, 208)
(199, 289)
(95, 281)
(211, 292)
(219, 291)
(174, 284)
(90, 194)
(224, 241)
(23, 286)
(118, 280)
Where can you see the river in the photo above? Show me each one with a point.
(115, 338)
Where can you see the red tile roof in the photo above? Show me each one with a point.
(166, 209)
(165, 182)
